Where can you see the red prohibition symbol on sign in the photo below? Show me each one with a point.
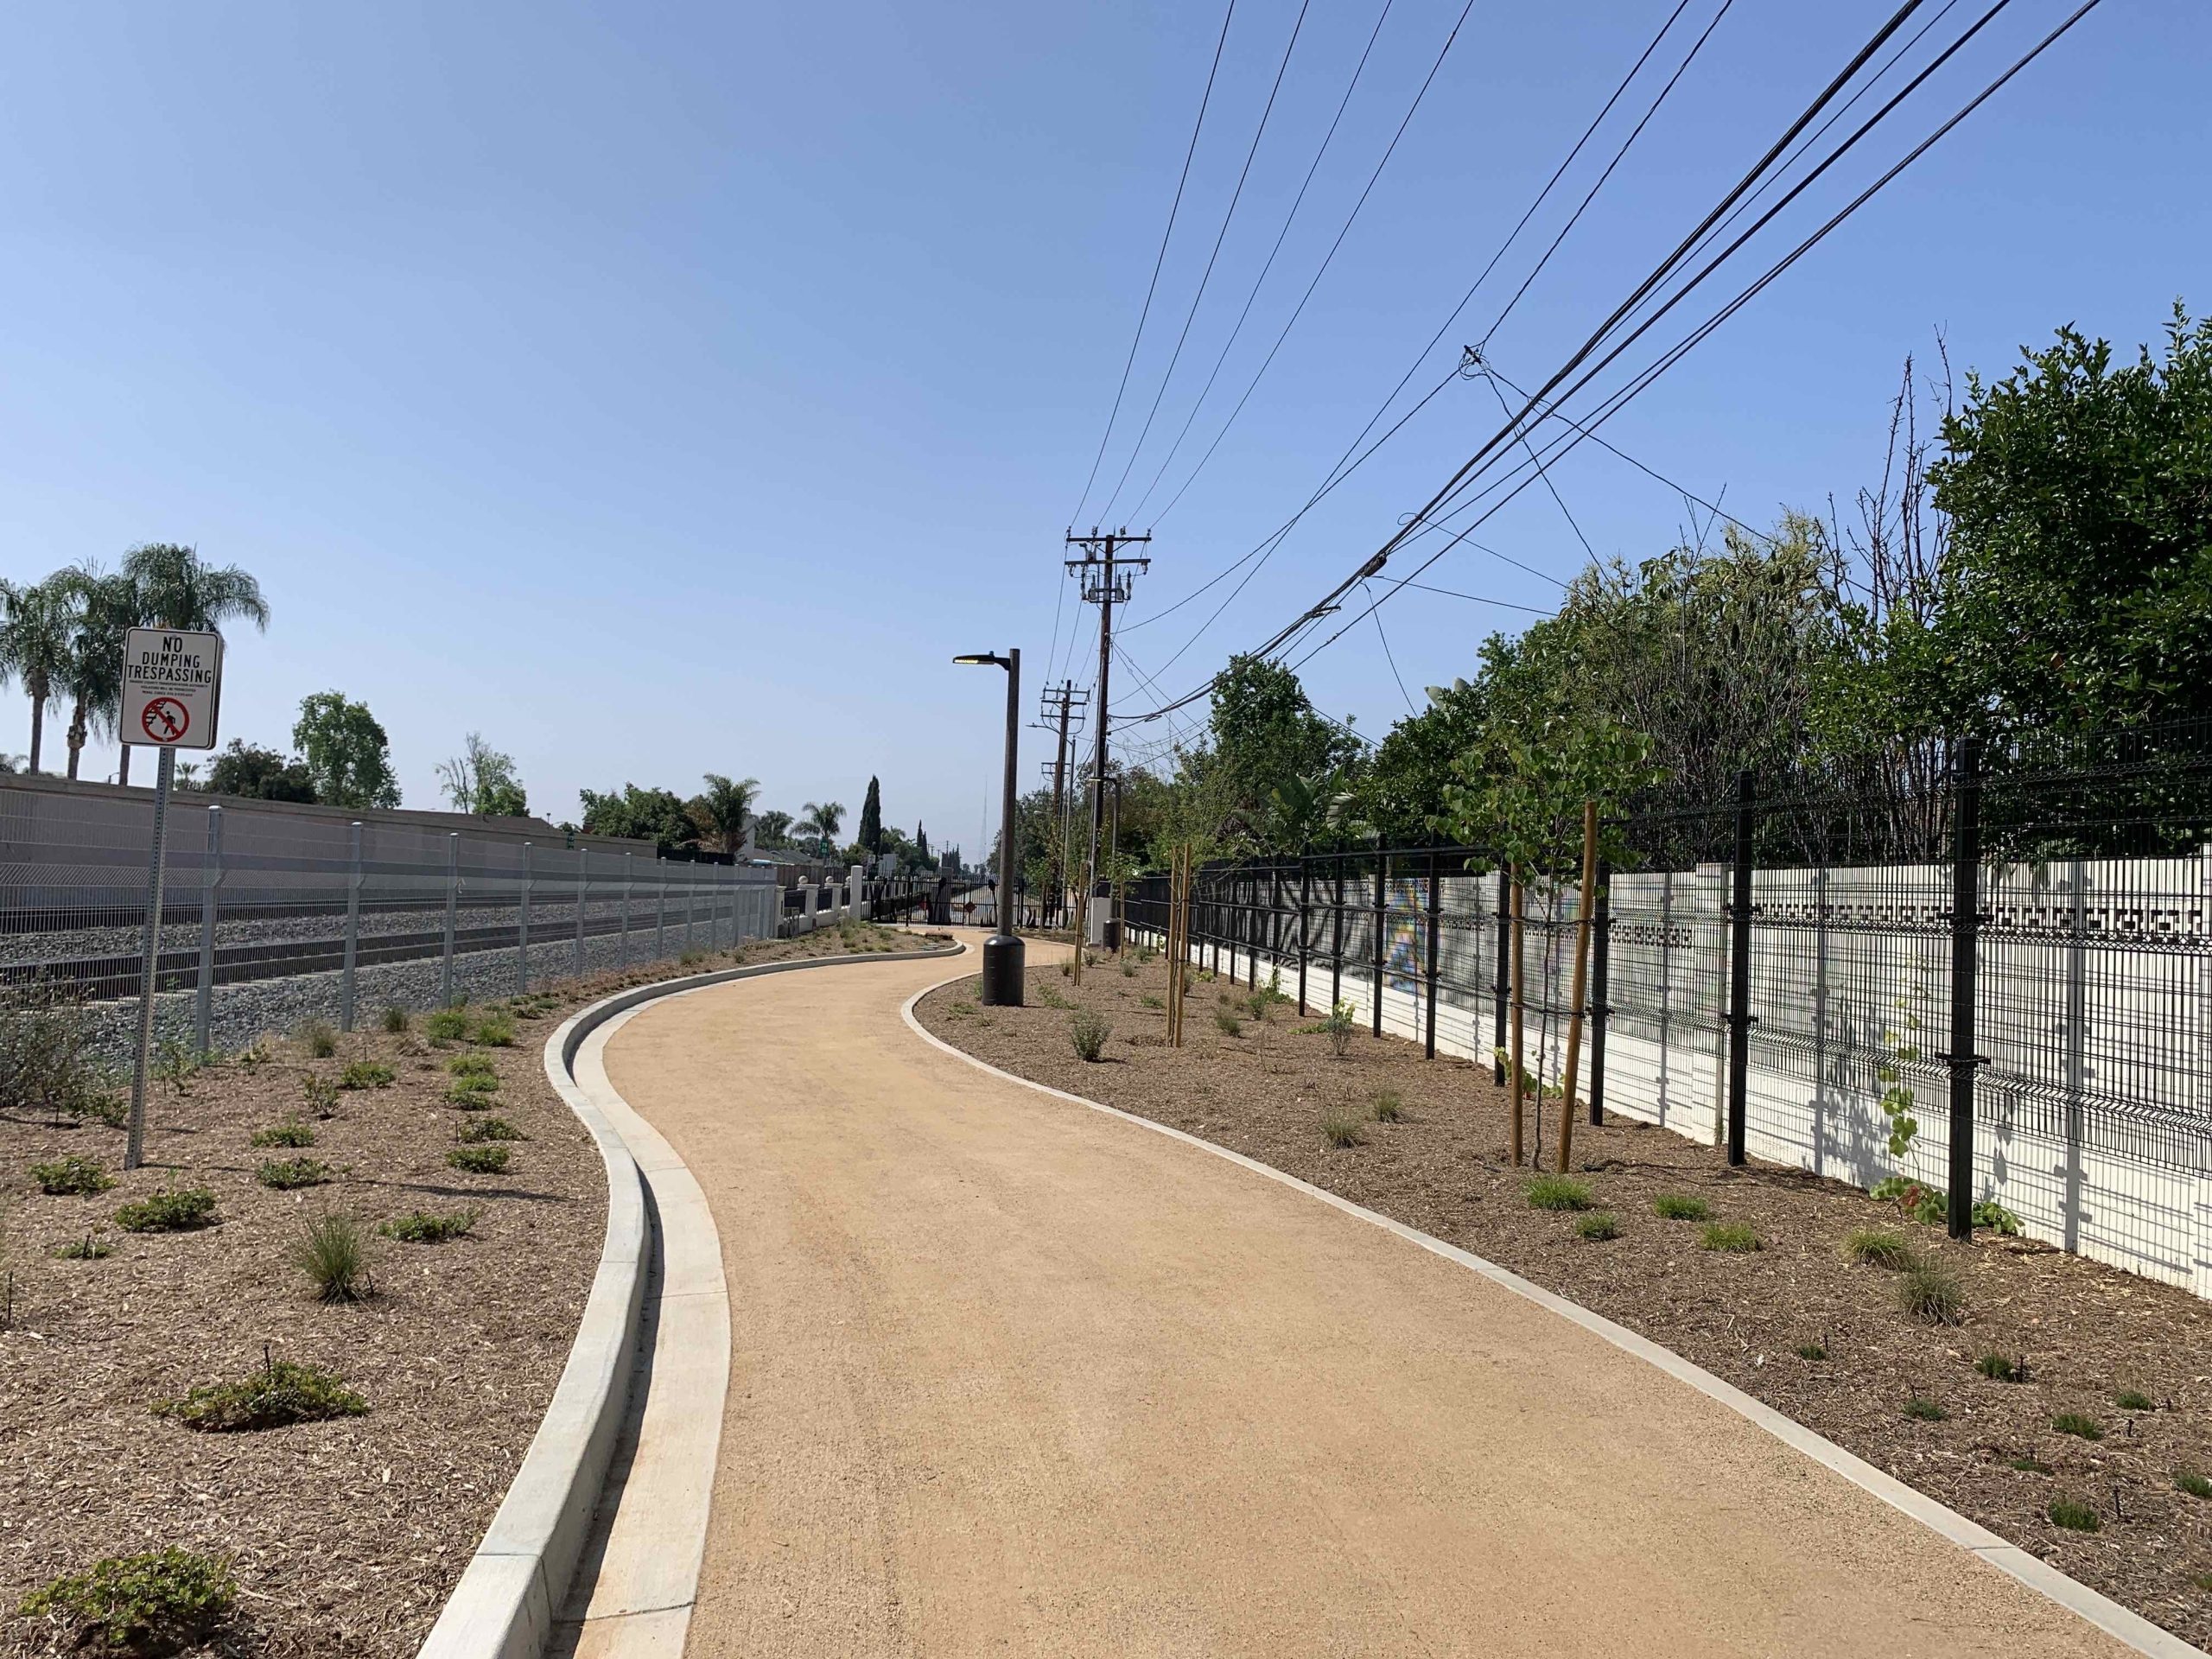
(165, 720)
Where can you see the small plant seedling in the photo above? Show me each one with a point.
(1926, 1411)
(2029, 1466)
(1341, 1024)
(430, 1227)
(280, 1394)
(1088, 1029)
(321, 1093)
(2134, 1399)
(1227, 1023)
(286, 1173)
(468, 1096)
(333, 1253)
(366, 1074)
(73, 1176)
(174, 1063)
(255, 1055)
(1053, 999)
(489, 1128)
(2074, 1516)
(1929, 1291)
(1681, 1206)
(169, 1210)
(1811, 1350)
(1389, 1107)
(1730, 1237)
(1994, 1215)
(1149, 1000)
(495, 1031)
(2195, 1484)
(1598, 1226)
(2079, 1424)
(290, 1133)
(2001, 1368)
(446, 1025)
(87, 1248)
(318, 1037)
(1879, 1246)
(1341, 1130)
(155, 1603)
(479, 1159)
(1557, 1193)
(396, 1020)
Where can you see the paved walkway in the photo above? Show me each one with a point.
(1012, 1376)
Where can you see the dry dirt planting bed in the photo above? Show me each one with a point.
(342, 1535)
(2107, 1427)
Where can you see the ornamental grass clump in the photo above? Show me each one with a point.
(1931, 1292)
(1598, 1227)
(1878, 1246)
(1557, 1193)
(447, 1025)
(1730, 1238)
(333, 1253)
(1681, 1206)
(1341, 1130)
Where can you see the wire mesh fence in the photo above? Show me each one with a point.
(1999, 987)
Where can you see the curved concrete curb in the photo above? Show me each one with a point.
(2108, 1615)
(517, 1580)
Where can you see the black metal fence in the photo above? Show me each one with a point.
(1999, 987)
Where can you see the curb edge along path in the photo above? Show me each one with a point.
(2121, 1623)
(517, 1585)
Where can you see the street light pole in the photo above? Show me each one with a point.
(1004, 951)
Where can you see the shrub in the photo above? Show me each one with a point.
(174, 1063)
(1088, 1029)
(321, 1093)
(478, 1160)
(395, 1020)
(1227, 1023)
(469, 1096)
(86, 1248)
(495, 1031)
(2189, 1481)
(1340, 1129)
(286, 1173)
(1389, 1107)
(290, 1133)
(1879, 1246)
(1128, 969)
(73, 1176)
(2001, 1368)
(1680, 1206)
(1926, 1411)
(1053, 999)
(1151, 1002)
(1994, 1215)
(2029, 1466)
(1931, 1292)
(1730, 1237)
(2078, 1424)
(148, 1604)
(1341, 1024)
(48, 1065)
(2134, 1399)
(318, 1037)
(1811, 1350)
(446, 1025)
(169, 1210)
(429, 1227)
(255, 1054)
(1557, 1193)
(475, 1065)
(366, 1074)
(333, 1253)
(280, 1394)
(2074, 1516)
(489, 1129)
(1598, 1226)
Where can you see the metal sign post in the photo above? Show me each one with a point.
(172, 690)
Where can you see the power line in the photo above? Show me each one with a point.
(1174, 207)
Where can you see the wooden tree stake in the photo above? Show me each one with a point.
(1513, 1063)
(1582, 908)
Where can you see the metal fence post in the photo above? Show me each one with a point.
(1435, 910)
(1601, 957)
(1336, 941)
(522, 928)
(1305, 899)
(1965, 929)
(453, 908)
(583, 897)
(1739, 972)
(203, 1005)
(690, 891)
(660, 906)
(1501, 973)
(1382, 919)
(627, 876)
(353, 926)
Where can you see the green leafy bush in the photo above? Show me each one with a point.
(1342, 1025)
(470, 1095)
(280, 1394)
(1811, 1350)
(140, 1605)
(1087, 1030)
(1926, 1410)
(73, 1176)
(2189, 1481)
(446, 1025)
(169, 1210)
(1227, 1023)
(2134, 1399)
(1340, 1129)
(2079, 1424)
(1681, 1206)
(1730, 1237)
(290, 1133)
(1151, 1002)
(1558, 1192)
(318, 1037)
(1931, 1292)
(1994, 1215)
(333, 1253)
(49, 1067)
(478, 1160)
(1598, 1226)
(495, 1031)
(366, 1074)
(475, 1065)
(1879, 1246)
(286, 1173)
(320, 1094)
(396, 1020)
(430, 1227)
(2074, 1516)
(489, 1129)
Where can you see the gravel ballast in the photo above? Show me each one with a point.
(1793, 1321)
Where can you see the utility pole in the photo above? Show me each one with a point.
(1061, 700)
(1107, 576)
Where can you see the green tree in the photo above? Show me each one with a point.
(258, 774)
(483, 781)
(872, 818)
(1265, 733)
(772, 830)
(660, 816)
(100, 607)
(820, 826)
(345, 752)
(165, 585)
(34, 633)
(720, 809)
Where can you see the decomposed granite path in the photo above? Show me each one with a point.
(1012, 1375)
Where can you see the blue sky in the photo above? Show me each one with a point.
(659, 389)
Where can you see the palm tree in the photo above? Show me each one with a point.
(170, 586)
(822, 821)
(98, 609)
(34, 647)
(722, 810)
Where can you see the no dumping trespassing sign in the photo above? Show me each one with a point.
(172, 688)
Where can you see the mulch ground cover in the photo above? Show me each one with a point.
(1796, 1322)
(345, 1535)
